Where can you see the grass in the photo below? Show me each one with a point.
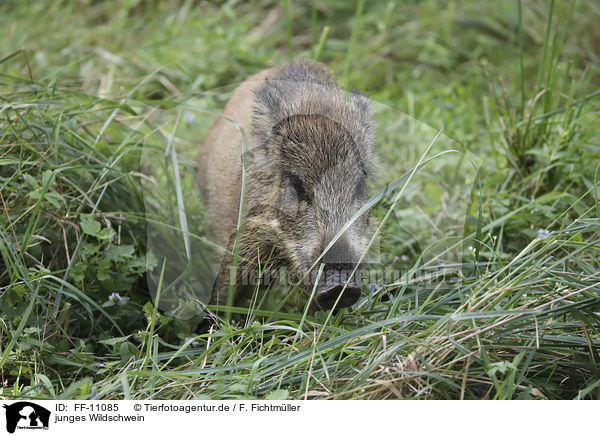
(90, 102)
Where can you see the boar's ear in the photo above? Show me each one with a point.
(268, 98)
(268, 108)
(268, 105)
(365, 133)
(363, 105)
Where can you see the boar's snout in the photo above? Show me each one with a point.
(338, 281)
(329, 294)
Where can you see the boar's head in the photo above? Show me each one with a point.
(312, 151)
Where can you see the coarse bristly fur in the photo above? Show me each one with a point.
(310, 150)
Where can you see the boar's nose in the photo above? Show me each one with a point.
(337, 280)
(328, 295)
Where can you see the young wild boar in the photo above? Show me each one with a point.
(309, 152)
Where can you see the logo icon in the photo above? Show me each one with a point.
(26, 415)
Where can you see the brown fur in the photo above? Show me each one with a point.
(309, 152)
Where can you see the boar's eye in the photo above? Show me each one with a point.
(295, 182)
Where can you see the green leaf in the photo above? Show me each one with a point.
(47, 384)
(148, 308)
(151, 261)
(501, 367)
(238, 388)
(279, 394)
(113, 341)
(89, 225)
(78, 271)
(31, 180)
(127, 351)
(106, 234)
(34, 195)
(47, 178)
(104, 269)
(54, 199)
(118, 253)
